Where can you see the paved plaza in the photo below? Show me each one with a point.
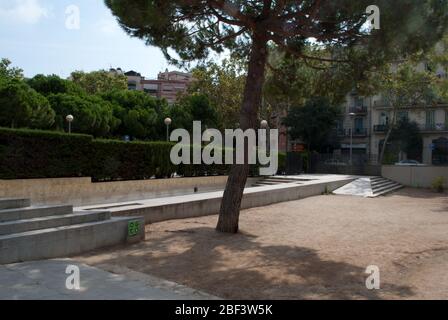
(46, 280)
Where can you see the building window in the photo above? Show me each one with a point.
(359, 102)
(403, 116)
(440, 151)
(384, 118)
(132, 86)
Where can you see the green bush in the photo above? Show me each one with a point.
(32, 154)
(116, 160)
(439, 184)
(26, 154)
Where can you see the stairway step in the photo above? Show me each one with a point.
(67, 240)
(18, 226)
(33, 212)
(281, 180)
(14, 203)
(383, 183)
(267, 183)
(388, 187)
(384, 192)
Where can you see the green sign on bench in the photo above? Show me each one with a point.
(133, 228)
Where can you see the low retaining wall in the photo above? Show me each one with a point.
(81, 191)
(209, 203)
(415, 176)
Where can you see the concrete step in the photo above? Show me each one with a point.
(33, 212)
(386, 191)
(390, 187)
(18, 226)
(67, 240)
(14, 203)
(279, 180)
(381, 184)
(266, 183)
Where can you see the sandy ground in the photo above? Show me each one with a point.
(316, 248)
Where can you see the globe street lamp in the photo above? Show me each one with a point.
(69, 119)
(352, 117)
(264, 124)
(168, 122)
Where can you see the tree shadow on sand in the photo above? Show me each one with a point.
(255, 271)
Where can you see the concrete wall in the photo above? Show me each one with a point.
(204, 205)
(81, 191)
(415, 176)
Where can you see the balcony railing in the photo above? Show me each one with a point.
(434, 127)
(380, 128)
(358, 110)
(357, 132)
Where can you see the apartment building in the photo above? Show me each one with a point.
(354, 128)
(432, 121)
(366, 121)
(168, 85)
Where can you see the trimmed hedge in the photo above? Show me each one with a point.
(26, 154)
(117, 160)
(32, 154)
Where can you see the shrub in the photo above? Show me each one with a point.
(26, 154)
(439, 184)
(116, 160)
(30, 154)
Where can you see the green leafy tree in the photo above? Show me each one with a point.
(438, 62)
(223, 84)
(406, 137)
(99, 81)
(194, 28)
(200, 109)
(6, 71)
(92, 114)
(138, 112)
(291, 81)
(403, 85)
(53, 84)
(23, 107)
(313, 122)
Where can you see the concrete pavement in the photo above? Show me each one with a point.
(46, 280)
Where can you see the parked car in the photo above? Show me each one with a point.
(335, 162)
(409, 163)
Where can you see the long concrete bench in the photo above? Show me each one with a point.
(35, 233)
(188, 206)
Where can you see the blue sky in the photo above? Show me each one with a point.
(34, 36)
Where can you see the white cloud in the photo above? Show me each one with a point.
(22, 11)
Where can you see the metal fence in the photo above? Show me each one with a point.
(359, 164)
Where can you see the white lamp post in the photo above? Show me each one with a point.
(168, 122)
(352, 117)
(69, 119)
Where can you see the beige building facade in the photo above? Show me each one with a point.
(168, 85)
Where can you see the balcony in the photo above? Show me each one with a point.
(357, 132)
(434, 128)
(381, 128)
(360, 110)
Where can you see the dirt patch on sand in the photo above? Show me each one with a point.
(315, 248)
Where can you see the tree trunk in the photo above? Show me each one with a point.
(233, 194)
(386, 139)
